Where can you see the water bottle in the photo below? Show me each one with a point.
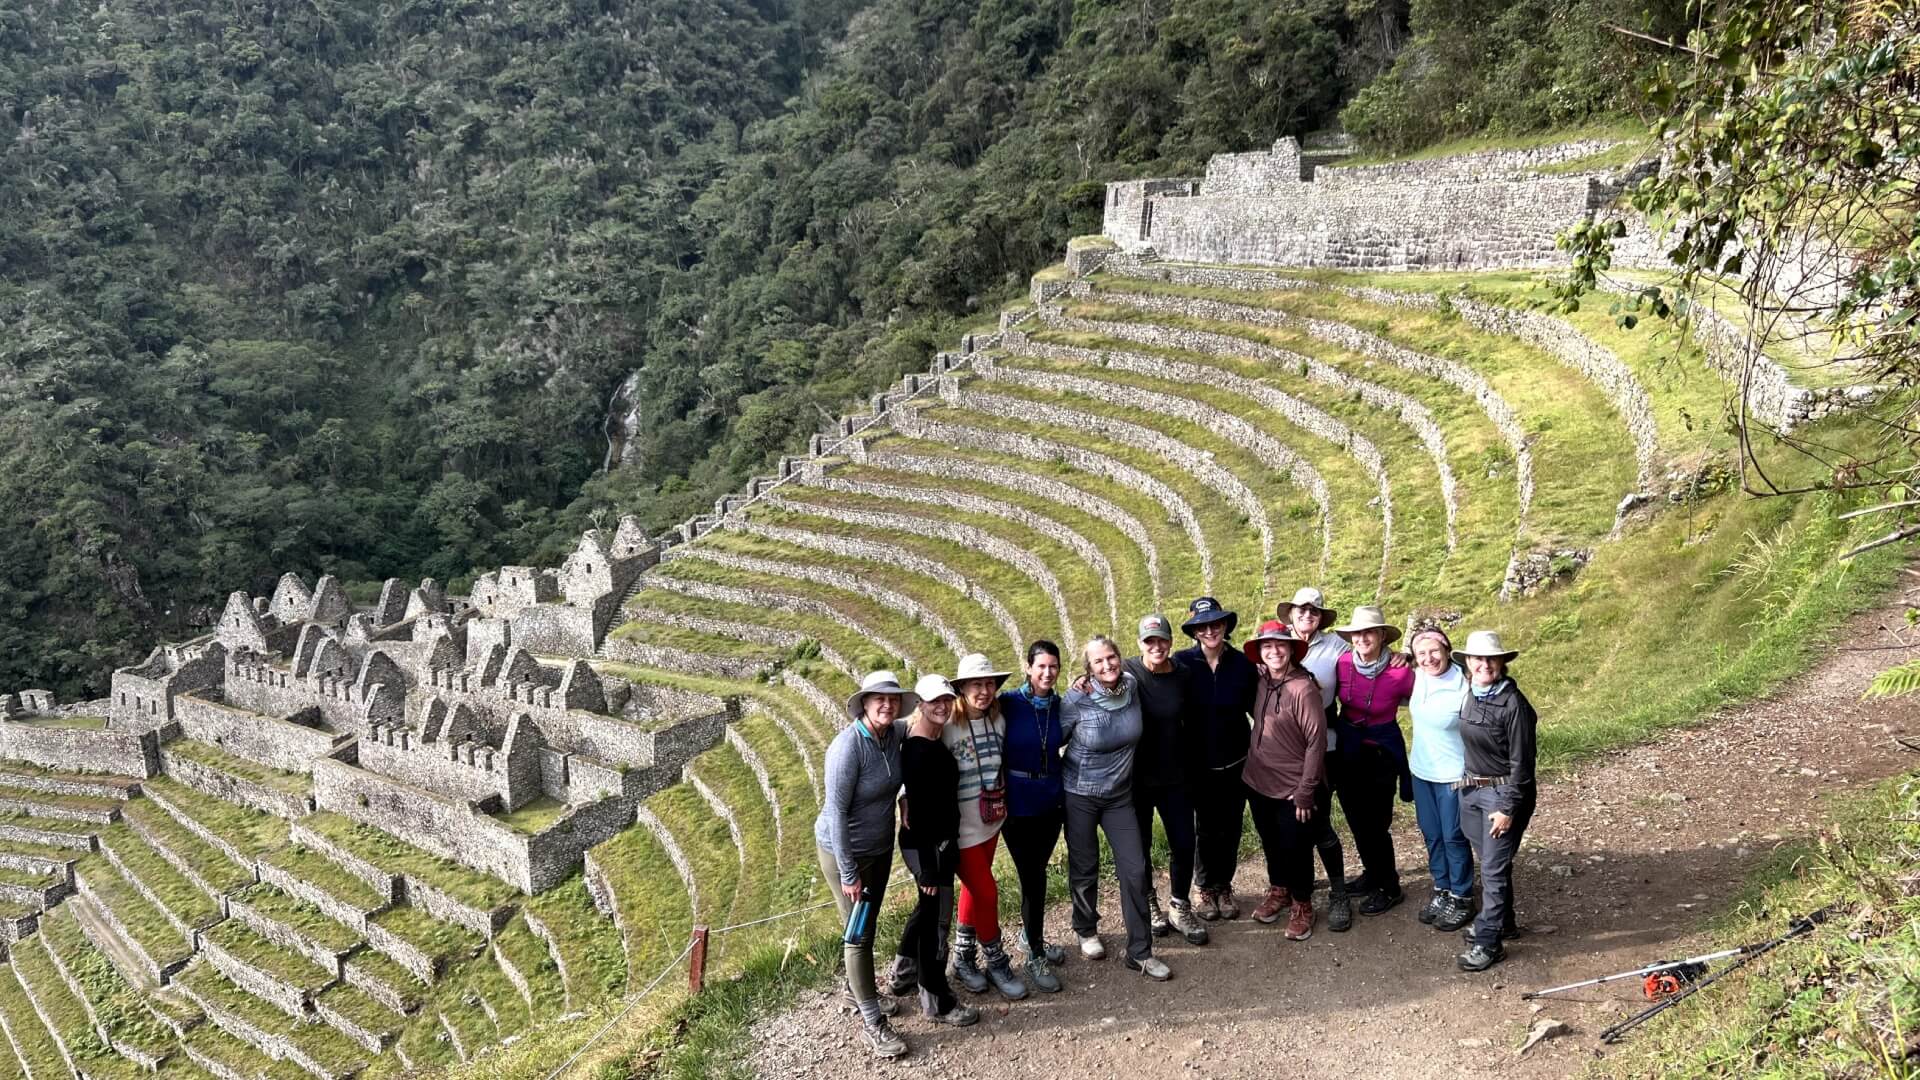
(860, 921)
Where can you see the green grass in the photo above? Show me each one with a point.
(313, 868)
(441, 940)
(1629, 130)
(299, 916)
(1842, 1001)
(586, 941)
(211, 863)
(324, 1044)
(530, 956)
(361, 1010)
(82, 723)
(143, 922)
(388, 972)
(187, 901)
(396, 856)
(87, 803)
(253, 832)
(695, 641)
(65, 1012)
(31, 1038)
(31, 879)
(537, 815)
(215, 758)
(790, 787)
(115, 1002)
(709, 849)
(51, 825)
(727, 775)
(283, 964)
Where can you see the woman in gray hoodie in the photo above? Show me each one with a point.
(1101, 725)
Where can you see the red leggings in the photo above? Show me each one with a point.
(979, 896)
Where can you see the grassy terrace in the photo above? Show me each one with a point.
(1080, 585)
(115, 1002)
(652, 633)
(282, 964)
(253, 832)
(395, 856)
(519, 946)
(361, 1010)
(65, 1013)
(1419, 558)
(383, 969)
(1358, 532)
(726, 774)
(443, 941)
(251, 771)
(31, 1039)
(537, 815)
(790, 787)
(325, 1045)
(185, 900)
(329, 877)
(85, 803)
(144, 922)
(30, 879)
(921, 643)
(82, 723)
(301, 917)
(212, 864)
(709, 849)
(586, 941)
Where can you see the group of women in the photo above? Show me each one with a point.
(1302, 713)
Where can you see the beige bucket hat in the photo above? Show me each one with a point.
(880, 682)
(1484, 643)
(977, 666)
(1368, 617)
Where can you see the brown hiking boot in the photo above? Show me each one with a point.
(1209, 906)
(1229, 904)
(1275, 903)
(1300, 923)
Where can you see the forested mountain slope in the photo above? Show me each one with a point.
(378, 289)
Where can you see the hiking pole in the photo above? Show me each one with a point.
(1691, 966)
(1748, 953)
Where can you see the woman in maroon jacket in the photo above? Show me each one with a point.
(1284, 774)
(1373, 751)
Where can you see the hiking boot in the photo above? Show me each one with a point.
(1191, 928)
(1151, 967)
(966, 962)
(1209, 908)
(1339, 911)
(904, 977)
(1457, 913)
(1040, 975)
(958, 1016)
(1480, 958)
(885, 1041)
(1091, 948)
(1157, 919)
(1229, 905)
(1431, 913)
(1000, 971)
(1271, 907)
(1380, 901)
(1300, 922)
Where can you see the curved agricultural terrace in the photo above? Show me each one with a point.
(1145, 432)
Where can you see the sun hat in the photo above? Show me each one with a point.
(1485, 643)
(1368, 617)
(933, 687)
(1207, 610)
(1309, 597)
(977, 666)
(1155, 625)
(880, 682)
(1273, 630)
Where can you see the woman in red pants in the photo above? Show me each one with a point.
(977, 740)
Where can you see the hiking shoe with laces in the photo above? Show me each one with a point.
(1209, 908)
(1000, 971)
(1270, 908)
(1431, 913)
(1339, 913)
(1040, 975)
(1190, 928)
(1457, 913)
(1091, 948)
(1300, 921)
(968, 973)
(885, 1041)
(1229, 905)
(1151, 967)
(958, 1016)
(1480, 958)
(1380, 901)
(1157, 918)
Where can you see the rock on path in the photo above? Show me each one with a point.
(1625, 856)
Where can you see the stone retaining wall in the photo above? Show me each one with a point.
(758, 633)
(105, 787)
(913, 424)
(429, 823)
(1458, 168)
(973, 539)
(234, 789)
(151, 968)
(800, 605)
(332, 906)
(186, 866)
(286, 997)
(828, 576)
(668, 658)
(675, 855)
(762, 777)
(23, 805)
(1353, 339)
(287, 937)
(801, 746)
(27, 834)
(122, 753)
(1062, 493)
(853, 547)
(277, 744)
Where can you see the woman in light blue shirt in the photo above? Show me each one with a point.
(1438, 761)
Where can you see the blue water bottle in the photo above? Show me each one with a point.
(860, 921)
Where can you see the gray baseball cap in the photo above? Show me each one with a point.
(1153, 626)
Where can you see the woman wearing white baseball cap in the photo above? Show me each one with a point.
(854, 834)
(1497, 796)
(930, 847)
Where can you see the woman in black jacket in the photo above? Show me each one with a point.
(1497, 725)
(930, 846)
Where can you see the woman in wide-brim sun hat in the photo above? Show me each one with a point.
(1312, 621)
(1372, 751)
(977, 739)
(1284, 774)
(854, 834)
(1497, 796)
(1221, 683)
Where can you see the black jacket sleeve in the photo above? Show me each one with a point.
(1521, 724)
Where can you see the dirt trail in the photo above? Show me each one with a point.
(1624, 858)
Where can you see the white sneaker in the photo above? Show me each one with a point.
(1151, 967)
(1091, 948)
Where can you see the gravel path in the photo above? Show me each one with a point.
(1624, 857)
